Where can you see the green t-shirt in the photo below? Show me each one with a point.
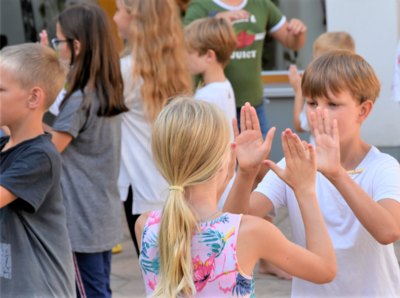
(244, 68)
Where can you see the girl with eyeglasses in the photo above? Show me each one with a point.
(87, 132)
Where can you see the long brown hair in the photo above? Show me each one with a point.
(97, 64)
(158, 50)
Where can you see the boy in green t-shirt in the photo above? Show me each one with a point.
(251, 20)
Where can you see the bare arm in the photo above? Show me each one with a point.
(381, 219)
(292, 35)
(295, 81)
(251, 152)
(139, 226)
(316, 263)
(6, 197)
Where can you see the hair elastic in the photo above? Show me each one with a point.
(173, 187)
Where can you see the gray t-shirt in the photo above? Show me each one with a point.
(89, 178)
(35, 252)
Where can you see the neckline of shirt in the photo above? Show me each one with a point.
(229, 7)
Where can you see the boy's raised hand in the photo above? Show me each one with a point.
(327, 143)
(294, 78)
(301, 165)
(251, 149)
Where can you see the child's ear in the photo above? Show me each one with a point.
(36, 98)
(211, 56)
(77, 47)
(364, 110)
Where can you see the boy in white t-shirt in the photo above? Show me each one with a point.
(210, 43)
(358, 187)
(323, 44)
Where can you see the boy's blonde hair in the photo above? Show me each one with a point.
(212, 34)
(34, 65)
(337, 71)
(339, 40)
(190, 143)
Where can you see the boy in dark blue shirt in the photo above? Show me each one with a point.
(35, 252)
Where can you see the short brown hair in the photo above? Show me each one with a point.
(34, 65)
(339, 40)
(212, 34)
(340, 70)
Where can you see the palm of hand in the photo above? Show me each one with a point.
(328, 154)
(250, 141)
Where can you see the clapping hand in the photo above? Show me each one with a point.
(327, 143)
(296, 27)
(251, 149)
(301, 166)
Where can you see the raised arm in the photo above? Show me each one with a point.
(295, 81)
(381, 219)
(251, 151)
(292, 35)
(316, 263)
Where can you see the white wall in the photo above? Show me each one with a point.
(375, 27)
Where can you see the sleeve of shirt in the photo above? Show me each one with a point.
(194, 11)
(274, 189)
(30, 179)
(303, 119)
(71, 118)
(275, 19)
(396, 77)
(386, 182)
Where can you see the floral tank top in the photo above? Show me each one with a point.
(216, 272)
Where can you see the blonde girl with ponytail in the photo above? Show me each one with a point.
(189, 248)
(154, 68)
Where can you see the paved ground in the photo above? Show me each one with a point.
(126, 278)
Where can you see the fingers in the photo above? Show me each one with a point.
(296, 27)
(276, 169)
(320, 122)
(290, 142)
(312, 155)
(306, 149)
(235, 128)
(335, 131)
(298, 145)
(249, 123)
(242, 119)
(285, 146)
(254, 119)
(268, 140)
(327, 123)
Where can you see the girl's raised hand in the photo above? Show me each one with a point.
(251, 149)
(44, 39)
(301, 165)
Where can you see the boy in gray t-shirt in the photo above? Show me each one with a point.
(35, 252)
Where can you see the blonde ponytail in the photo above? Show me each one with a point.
(189, 142)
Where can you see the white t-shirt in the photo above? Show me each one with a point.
(55, 107)
(304, 124)
(221, 94)
(365, 267)
(396, 77)
(138, 168)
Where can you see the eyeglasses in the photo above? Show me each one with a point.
(56, 43)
